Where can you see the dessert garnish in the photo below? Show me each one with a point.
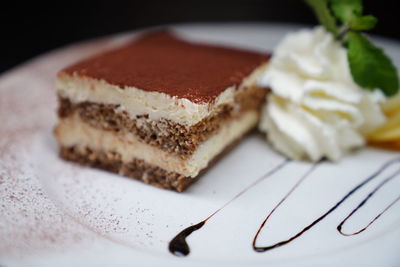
(370, 67)
(388, 135)
(328, 85)
(179, 246)
(322, 106)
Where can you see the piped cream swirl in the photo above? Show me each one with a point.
(315, 109)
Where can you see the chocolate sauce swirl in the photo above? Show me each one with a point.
(262, 249)
(352, 191)
(365, 200)
(179, 247)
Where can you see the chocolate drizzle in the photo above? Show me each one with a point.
(262, 249)
(179, 247)
(362, 203)
(308, 227)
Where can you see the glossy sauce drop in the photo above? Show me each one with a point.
(178, 246)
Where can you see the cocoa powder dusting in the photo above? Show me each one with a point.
(161, 62)
(35, 182)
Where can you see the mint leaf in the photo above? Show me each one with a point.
(346, 10)
(323, 14)
(349, 12)
(363, 23)
(369, 65)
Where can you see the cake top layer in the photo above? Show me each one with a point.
(161, 62)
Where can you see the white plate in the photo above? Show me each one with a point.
(55, 213)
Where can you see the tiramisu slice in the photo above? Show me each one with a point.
(158, 109)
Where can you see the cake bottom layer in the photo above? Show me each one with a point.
(136, 168)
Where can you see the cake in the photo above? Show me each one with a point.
(159, 109)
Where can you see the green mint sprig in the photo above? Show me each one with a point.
(370, 67)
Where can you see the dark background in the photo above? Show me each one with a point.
(30, 28)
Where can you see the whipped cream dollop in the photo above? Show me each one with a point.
(315, 109)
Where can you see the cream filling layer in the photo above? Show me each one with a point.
(72, 131)
(135, 101)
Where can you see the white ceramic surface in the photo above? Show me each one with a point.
(54, 213)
